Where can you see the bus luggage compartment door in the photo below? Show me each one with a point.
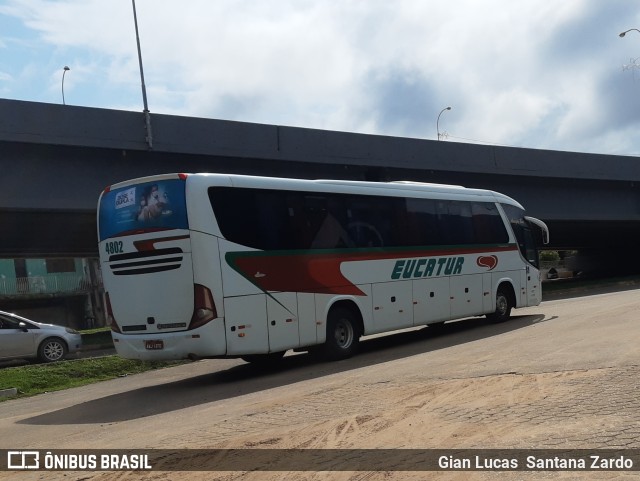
(246, 325)
(466, 295)
(392, 305)
(282, 312)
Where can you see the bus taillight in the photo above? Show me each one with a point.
(111, 320)
(204, 309)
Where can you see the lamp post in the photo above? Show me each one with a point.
(438, 121)
(147, 116)
(633, 63)
(65, 70)
(627, 31)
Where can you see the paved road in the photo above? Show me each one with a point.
(560, 375)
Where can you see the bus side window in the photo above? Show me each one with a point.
(369, 224)
(236, 214)
(456, 222)
(487, 224)
(328, 223)
(273, 221)
(422, 229)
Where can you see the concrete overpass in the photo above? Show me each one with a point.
(55, 160)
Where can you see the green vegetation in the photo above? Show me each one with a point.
(34, 379)
(556, 256)
(549, 256)
(39, 378)
(97, 337)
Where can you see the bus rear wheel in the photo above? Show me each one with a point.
(503, 307)
(343, 334)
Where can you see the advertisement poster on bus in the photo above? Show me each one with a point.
(146, 206)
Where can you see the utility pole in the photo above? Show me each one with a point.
(147, 115)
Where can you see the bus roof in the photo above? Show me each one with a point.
(392, 189)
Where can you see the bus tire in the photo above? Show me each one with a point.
(264, 360)
(504, 304)
(343, 334)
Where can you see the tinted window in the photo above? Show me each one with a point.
(422, 223)
(269, 219)
(456, 222)
(488, 226)
(523, 233)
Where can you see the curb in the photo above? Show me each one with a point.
(8, 392)
(95, 347)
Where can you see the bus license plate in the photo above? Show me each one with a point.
(154, 345)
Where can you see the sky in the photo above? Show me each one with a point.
(541, 74)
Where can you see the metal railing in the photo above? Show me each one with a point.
(56, 284)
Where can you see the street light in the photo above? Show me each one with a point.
(64, 72)
(627, 31)
(438, 121)
(147, 116)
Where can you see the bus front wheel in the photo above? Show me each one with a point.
(503, 307)
(343, 334)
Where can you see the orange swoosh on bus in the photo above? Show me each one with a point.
(319, 272)
(149, 244)
(295, 273)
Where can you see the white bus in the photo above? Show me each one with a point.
(212, 265)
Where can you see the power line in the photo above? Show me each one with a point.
(484, 142)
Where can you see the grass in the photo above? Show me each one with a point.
(40, 378)
(33, 379)
(97, 337)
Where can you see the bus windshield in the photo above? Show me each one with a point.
(521, 226)
(150, 206)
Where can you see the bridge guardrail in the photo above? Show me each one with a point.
(50, 285)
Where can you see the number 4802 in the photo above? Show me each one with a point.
(114, 247)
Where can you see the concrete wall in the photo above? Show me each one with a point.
(57, 159)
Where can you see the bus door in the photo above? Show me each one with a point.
(531, 274)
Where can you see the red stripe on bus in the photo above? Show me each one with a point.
(320, 273)
(149, 244)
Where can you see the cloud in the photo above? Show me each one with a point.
(529, 73)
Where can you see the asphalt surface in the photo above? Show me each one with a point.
(560, 375)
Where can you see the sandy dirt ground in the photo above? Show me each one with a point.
(560, 375)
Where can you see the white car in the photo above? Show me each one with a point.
(22, 338)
